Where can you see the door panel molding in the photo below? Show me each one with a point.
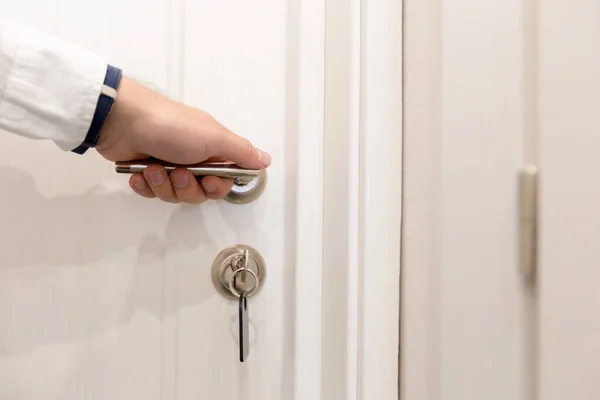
(305, 121)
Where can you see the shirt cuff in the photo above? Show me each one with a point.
(52, 88)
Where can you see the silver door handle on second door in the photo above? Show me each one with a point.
(248, 183)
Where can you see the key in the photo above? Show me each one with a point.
(244, 331)
(246, 261)
(241, 262)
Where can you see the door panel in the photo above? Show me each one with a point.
(490, 87)
(107, 295)
(464, 312)
(235, 68)
(81, 271)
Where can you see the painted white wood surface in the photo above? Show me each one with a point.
(119, 303)
(363, 198)
(464, 313)
(108, 295)
(81, 271)
(381, 194)
(569, 136)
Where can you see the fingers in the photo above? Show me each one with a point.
(138, 183)
(216, 188)
(160, 184)
(179, 186)
(186, 187)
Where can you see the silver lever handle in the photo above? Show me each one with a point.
(248, 184)
(222, 169)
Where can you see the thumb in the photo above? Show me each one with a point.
(226, 144)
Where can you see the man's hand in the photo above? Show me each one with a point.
(145, 124)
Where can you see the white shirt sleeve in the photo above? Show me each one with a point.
(49, 88)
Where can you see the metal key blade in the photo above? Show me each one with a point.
(244, 328)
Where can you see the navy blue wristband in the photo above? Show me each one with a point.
(105, 103)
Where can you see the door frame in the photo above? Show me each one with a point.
(349, 196)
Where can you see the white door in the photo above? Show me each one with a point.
(465, 332)
(491, 87)
(104, 295)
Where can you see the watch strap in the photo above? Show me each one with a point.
(108, 95)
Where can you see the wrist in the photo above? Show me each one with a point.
(104, 105)
(129, 122)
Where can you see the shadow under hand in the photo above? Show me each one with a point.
(75, 266)
(65, 230)
(184, 275)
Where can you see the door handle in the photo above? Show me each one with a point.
(248, 184)
(222, 169)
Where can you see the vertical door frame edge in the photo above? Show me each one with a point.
(362, 198)
(364, 132)
(381, 194)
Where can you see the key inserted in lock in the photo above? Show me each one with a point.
(248, 183)
(238, 272)
(238, 269)
(244, 330)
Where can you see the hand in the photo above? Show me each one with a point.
(146, 124)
